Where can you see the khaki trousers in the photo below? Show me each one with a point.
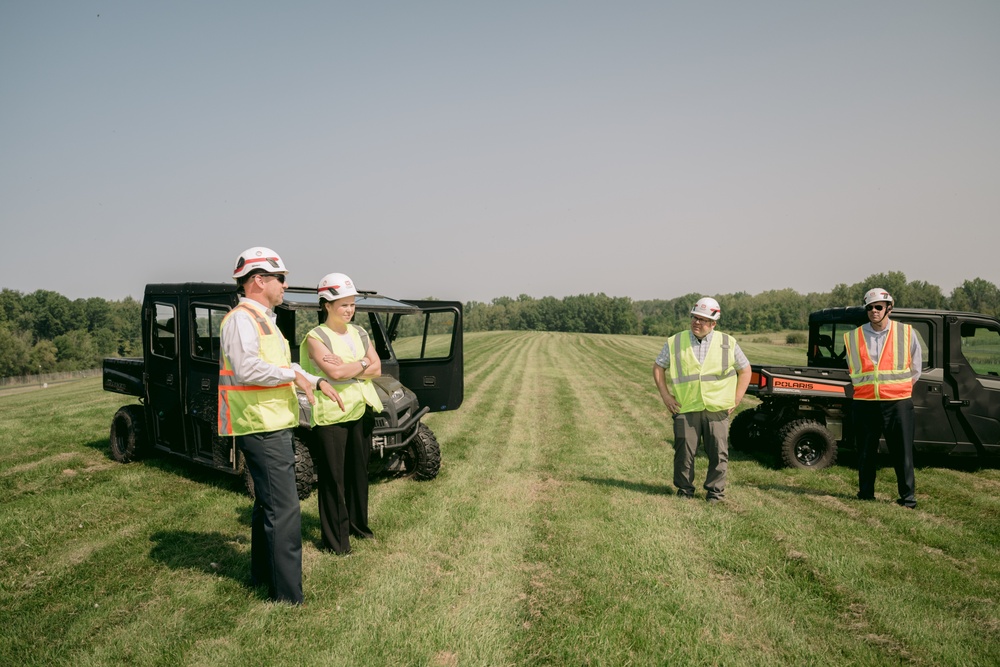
(712, 428)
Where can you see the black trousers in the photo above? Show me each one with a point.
(276, 533)
(341, 455)
(894, 420)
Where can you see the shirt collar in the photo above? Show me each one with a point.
(868, 328)
(257, 306)
(707, 338)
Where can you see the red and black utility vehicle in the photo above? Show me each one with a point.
(804, 412)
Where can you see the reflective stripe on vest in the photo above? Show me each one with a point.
(891, 378)
(710, 385)
(356, 393)
(248, 408)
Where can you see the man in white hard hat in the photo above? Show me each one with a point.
(259, 406)
(709, 375)
(884, 359)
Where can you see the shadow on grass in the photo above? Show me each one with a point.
(209, 553)
(798, 490)
(639, 487)
(181, 467)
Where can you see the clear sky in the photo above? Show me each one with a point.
(471, 150)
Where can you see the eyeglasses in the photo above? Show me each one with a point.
(700, 320)
(279, 276)
(875, 307)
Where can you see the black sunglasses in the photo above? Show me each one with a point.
(279, 276)
(874, 307)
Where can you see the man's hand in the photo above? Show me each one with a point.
(332, 359)
(331, 393)
(660, 378)
(302, 383)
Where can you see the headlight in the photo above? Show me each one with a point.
(397, 395)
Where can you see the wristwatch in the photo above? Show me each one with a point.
(364, 364)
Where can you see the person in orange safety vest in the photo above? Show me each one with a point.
(884, 360)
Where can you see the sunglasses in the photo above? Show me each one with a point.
(279, 276)
(877, 308)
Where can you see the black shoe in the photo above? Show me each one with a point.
(684, 494)
(864, 497)
(713, 500)
(907, 505)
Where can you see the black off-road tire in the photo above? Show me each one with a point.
(423, 456)
(806, 443)
(128, 434)
(745, 435)
(305, 472)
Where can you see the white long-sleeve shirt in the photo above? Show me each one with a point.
(241, 345)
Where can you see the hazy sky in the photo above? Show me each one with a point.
(471, 150)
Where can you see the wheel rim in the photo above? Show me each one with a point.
(808, 450)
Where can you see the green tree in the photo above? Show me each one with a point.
(77, 351)
(978, 296)
(15, 353)
(52, 314)
(44, 356)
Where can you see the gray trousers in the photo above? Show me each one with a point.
(713, 430)
(276, 533)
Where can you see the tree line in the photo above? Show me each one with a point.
(45, 332)
(774, 310)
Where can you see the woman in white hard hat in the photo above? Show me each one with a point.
(340, 351)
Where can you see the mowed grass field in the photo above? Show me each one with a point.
(551, 537)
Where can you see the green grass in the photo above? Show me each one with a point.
(550, 538)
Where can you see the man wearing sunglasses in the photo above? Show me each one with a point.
(884, 360)
(258, 405)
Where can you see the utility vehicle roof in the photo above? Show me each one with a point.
(306, 298)
(296, 298)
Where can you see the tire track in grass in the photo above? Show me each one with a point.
(608, 545)
(456, 549)
(609, 420)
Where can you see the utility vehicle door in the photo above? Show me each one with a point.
(933, 430)
(205, 312)
(974, 370)
(429, 348)
(163, 328)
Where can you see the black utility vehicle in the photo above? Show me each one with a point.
(176, 380)
(804, 411)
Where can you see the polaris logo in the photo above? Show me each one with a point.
(788, 384)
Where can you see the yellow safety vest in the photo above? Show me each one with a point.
(248, 408)
(710, 385)
(889, 379)
(355, 392)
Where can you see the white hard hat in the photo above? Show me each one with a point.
(259, 259)
(877, 294)
(335, 286)
(708, 308)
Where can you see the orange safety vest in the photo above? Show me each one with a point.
(891, 378)
(250, 408)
